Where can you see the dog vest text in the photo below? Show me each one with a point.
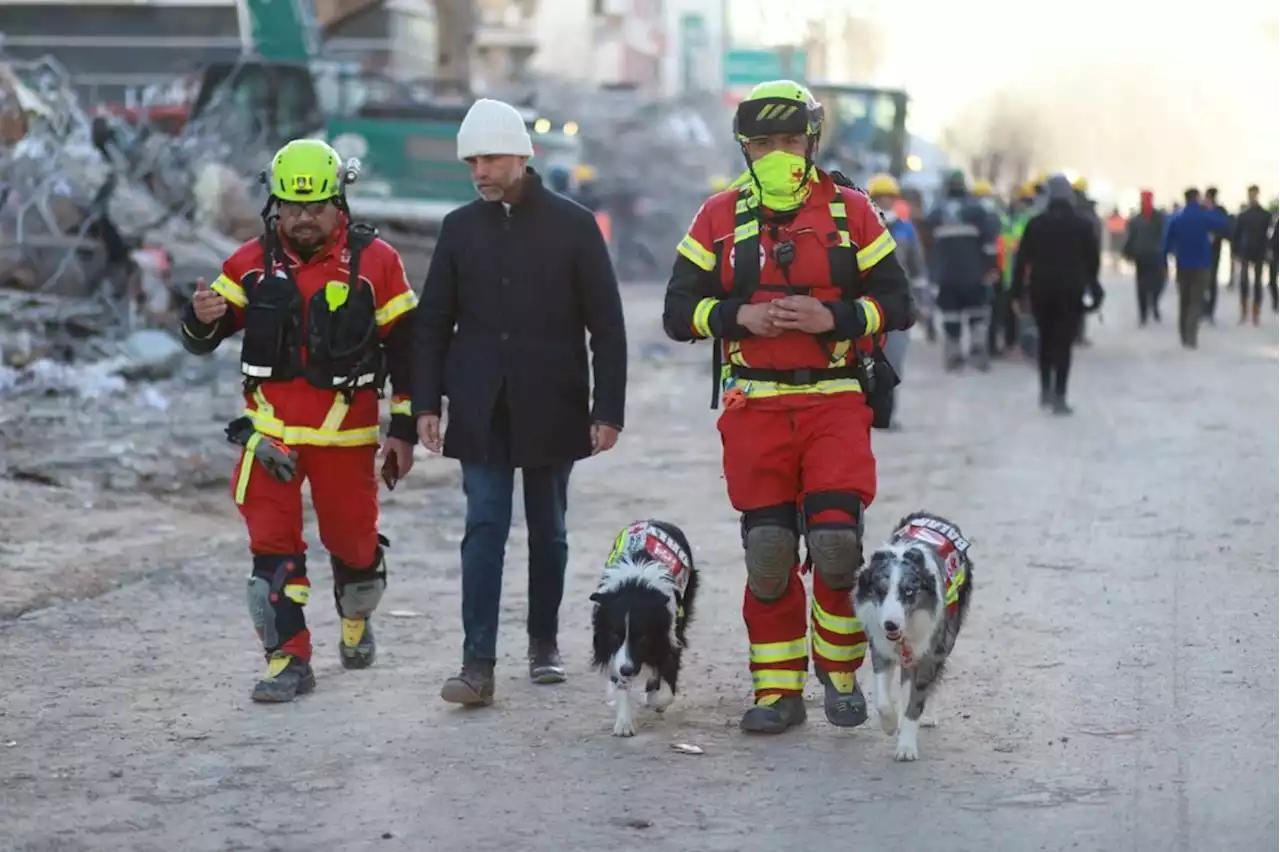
(661, 547)
(951, 546)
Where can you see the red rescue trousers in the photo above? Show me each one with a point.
(344, 492)
(776, 456)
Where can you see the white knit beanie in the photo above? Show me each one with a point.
(493, 127)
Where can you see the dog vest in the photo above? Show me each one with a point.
(643, 536)
(950, 545)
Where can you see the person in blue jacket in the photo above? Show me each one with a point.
(1189, 237)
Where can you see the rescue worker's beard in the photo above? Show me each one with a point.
(306, 243)
(782, 179)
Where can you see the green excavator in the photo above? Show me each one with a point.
(286, 86)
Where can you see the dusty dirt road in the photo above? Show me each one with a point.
(1115, 688)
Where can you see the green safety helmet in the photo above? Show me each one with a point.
(306, 170)
(779, 106)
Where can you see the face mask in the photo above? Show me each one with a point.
(780, 175)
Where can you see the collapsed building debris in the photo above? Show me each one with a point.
(119, 219)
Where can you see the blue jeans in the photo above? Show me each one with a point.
(488, 488)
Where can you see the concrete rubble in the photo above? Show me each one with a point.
(104, 229)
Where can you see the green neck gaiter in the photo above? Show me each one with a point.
(781, 177)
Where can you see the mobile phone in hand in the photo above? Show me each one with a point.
(390, 472)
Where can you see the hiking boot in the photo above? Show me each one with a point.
(1046, 399)
(773, 714)
(287, 677)
(843, 701)
(471, 687)
(545, 665)
(1060, 406)
(357, 648)
(981, 360)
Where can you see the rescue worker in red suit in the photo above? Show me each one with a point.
(789, 270)
(323, 306)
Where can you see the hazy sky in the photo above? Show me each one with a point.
(1144, 93)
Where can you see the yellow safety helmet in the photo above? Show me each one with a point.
(1027, 190)
(883, 184)
(305, 170)
(779, 106)
(982, 188)
(1080, 184)
(584, 172)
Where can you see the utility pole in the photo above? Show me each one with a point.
(455, 36)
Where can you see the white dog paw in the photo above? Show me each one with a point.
(906, 750)
(888, 718)
(623, 728)
(659, 699)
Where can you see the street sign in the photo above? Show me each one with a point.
(693, 43)
(749, 67)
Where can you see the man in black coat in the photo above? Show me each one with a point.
(1058, 259)
(515, 280)
(1249, 240)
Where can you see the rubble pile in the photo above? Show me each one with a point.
(104, 228)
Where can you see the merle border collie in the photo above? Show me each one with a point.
(643, 605)
(912, 597)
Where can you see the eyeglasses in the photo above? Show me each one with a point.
(294, 209)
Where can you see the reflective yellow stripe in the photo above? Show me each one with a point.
(871, 312)
(838, 210)
(746, 231)
(246, 468)
(766, 679)
(702, 317)
(836, 623)
(837, 653)
(757, 389)
(305, 435)
(229, 290)
(876, 251)
(297, 593)
(777, 652)
(401, 406)
(840, 353)
(396, 308)
(953, 588)
(337, 413)
(265, 408)
(329, 433)
(696, 253)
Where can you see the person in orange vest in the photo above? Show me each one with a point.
(323, 305)
(788, 271)
(1117, 225)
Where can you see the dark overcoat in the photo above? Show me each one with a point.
(510, 298)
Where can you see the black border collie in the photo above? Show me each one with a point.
(912, 597)
(643, 605)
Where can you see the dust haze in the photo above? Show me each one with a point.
(1129, 96)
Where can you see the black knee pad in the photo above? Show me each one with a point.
(834, 547)
(770, 537)
(358, 591)
(275, 601)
